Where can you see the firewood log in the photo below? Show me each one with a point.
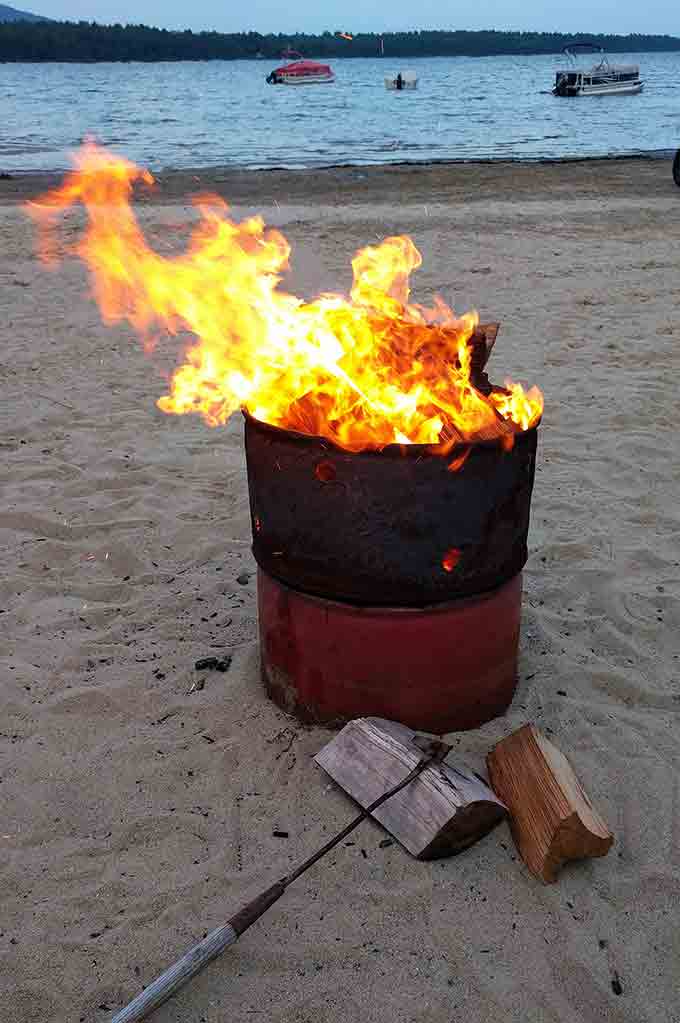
(551, 817)
(487, 332)
(445, 810)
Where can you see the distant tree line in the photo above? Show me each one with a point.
(88, 41)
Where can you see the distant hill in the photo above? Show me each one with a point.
(45, 40)
(11, 14)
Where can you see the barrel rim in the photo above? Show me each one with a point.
(388, 451)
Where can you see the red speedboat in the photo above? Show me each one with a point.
(301, 72)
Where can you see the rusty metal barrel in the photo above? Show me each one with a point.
(388, 584)
(392, 527)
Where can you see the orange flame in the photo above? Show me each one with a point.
(364, 372)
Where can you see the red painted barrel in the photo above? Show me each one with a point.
(441, 668)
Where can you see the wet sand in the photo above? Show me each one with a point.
(136, 816)
(464, 182)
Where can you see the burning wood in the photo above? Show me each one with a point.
(363, 372)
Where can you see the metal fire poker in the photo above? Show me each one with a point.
(181, 972)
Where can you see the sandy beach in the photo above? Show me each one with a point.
(137, 816)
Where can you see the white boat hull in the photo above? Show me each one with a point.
(392, 85)
(609, 89)
(306, 79)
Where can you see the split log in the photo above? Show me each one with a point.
(481, 344)
(551, 817)
(445, 810)
(486, 333)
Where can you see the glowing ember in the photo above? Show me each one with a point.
(325, 472)
(365, 372)
(451, 559)
(459, 460)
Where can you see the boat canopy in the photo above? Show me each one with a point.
(302, 68)
(573, 49)
(600, 68)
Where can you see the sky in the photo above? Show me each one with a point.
(617, 16)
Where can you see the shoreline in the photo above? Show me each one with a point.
(339, 55)
(647, 154)
(488, 175)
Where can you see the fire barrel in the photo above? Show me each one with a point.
(389, 584)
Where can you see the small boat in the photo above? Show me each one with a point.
(405, 80)
(602, 79)
(301, 72)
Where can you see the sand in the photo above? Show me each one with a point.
(137, 816)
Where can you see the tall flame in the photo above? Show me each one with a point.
(364, 372)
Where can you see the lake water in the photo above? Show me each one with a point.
(222, 113)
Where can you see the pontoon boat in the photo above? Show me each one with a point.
(602, 79)
(301, 72)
